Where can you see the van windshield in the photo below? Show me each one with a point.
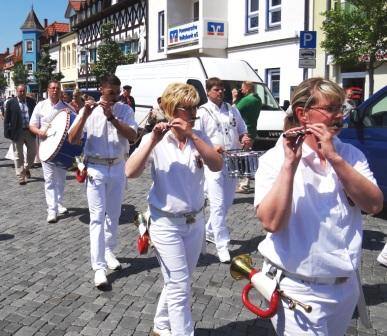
(268, 101)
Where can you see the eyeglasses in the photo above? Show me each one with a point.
(332, 109)
(189, 109)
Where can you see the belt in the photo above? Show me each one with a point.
(189, 216)
(106, 162)
(305, 279)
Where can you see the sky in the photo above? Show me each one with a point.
(14, 12)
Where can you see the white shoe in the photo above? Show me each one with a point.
(51, 218)
(382, 259)
(100, 278)
(224, 255)
(111, 261)
(161, 332)
(210, 238)
(62, 210)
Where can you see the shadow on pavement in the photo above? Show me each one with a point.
(6, 236)
(246, 328)
(383, 213)
(373, 240)
(375, 294)
(247, 199)
(246, 246)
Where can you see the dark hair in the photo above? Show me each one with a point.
(109, 79)
(213, 81)
(127, 87)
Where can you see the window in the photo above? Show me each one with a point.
(29, 46)
(68, 55)
(64, 64)
(378, 113)
(161, 31)
(93, 55)
(273, 13)
(196, 11)
(252, 8)
(74, 54)
(273, 78)
(29, 68)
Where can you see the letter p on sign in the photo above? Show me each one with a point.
(308, 39)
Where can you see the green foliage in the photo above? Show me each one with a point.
(20, 74)
(109, 54)
(357, 32)
(3, 82)
(46, 68)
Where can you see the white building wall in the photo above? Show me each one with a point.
(155, 6)
(265, 49)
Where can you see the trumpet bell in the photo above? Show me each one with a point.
(241, 266)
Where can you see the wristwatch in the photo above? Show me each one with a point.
(112, 117)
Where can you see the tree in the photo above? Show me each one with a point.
(20, 74)
(109, 54)
(357, 32)
(3, 83)
(45, 70)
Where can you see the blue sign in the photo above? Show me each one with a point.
(308, 39)
(173, 36)
(215, 28)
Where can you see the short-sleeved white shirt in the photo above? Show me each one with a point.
(178, 177)
(102, 139)
(44, 112)
(222, 125)
(324, 234)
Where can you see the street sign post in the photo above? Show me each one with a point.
(308, 42)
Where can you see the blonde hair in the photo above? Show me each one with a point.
(307, 94)
(178, 94)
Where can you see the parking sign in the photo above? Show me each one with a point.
(308, 39)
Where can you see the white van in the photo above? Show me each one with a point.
(148, 81)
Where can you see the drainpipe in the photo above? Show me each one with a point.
(306, 27)
(326, 70)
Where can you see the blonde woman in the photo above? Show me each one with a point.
(310, 190)
(176, 199)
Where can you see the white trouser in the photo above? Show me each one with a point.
(178, 247)
(54, 183)
(220, 193)
(27, 138)
(384, 251)
(105, 191)
(332, 308)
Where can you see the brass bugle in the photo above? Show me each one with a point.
(241, 267)
(292, 303)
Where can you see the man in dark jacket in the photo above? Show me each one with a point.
(126, 98)
(17, 115)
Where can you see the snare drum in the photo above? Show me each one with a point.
(241, 163)
(56, 148)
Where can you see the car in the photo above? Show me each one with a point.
(367, 130)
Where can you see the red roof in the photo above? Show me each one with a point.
(76, 4)
(57, 27)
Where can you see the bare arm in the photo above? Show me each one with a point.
(274, 209)
(366, 195)
(135, 165)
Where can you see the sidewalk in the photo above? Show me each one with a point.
(46, 282)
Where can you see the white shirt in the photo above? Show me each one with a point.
(102, 138)
(324, 234)
(222, 125)
(44, 112)
(177, 177)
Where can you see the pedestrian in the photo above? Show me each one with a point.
(16, 127)
(223, 124)
(249, 106)
(67, 97)
(310, 190)
(77, 101)
(176, 154)
(108, 126)
(53, 173)
(126, 97)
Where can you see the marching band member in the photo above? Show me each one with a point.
(54, 175)
(108, 128)
(310, 190)
(176, 200)
(223, 124)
